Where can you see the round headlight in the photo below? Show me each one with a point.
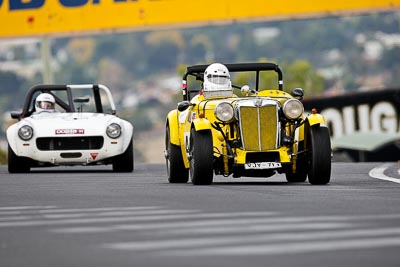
(293, 109)
(224, 112)
(113, 130)
(25, 132)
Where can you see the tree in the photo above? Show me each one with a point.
(10, 81)
(164, 49)
(78, 66)
(82, 49)
(301, 74)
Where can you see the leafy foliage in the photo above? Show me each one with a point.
(300, 73)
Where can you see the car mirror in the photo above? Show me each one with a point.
(81, 100)
(16, 115)
(245, 90)
(297, 93)
(182, 106)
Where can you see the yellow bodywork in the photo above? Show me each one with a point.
(200, 116)
(315, 119)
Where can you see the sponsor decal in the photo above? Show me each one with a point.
(69, 131)
(94, 155)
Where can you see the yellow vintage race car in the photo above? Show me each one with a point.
(257, 134)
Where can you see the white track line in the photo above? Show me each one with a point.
(167, 228)
(378, 173)
(171, 215)
(26, 208)
(289, 248)
(261, 239)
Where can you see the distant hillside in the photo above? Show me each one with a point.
(350, 53)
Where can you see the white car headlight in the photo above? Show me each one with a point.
(224, 112)
(113, 130)
(293, 109)
(25, 132)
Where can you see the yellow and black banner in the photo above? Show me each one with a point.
(57, 17)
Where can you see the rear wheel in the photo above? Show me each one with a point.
(177, 173)
(319, 145)
(124, 162)
(201, 157)
(17, 164)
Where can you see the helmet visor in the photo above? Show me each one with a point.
(46, 105)
(218, 79)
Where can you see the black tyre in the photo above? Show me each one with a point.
(301, 168)
(296, 177)
(319, 145)
(17, 164)
(201, 157)
(125, 161)
(177, 173)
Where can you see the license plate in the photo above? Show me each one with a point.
(262, 165)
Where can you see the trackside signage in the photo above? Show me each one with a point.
(60, 17)
(368, 112)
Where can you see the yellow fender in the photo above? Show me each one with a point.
(173, 123)
(315, 119)
(201, 124)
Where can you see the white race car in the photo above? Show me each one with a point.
(81, 128)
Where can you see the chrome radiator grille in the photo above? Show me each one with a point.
(258, 127)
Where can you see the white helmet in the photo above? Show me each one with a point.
(217, 81)
(45, 102)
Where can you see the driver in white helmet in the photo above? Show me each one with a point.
(45, 102)
(217, 81)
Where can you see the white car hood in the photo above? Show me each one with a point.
(70, 124)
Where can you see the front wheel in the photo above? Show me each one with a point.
(296, 177)
(319, 146)
(300, 175)
(124, 162)
(17, 164)
(177, 173)
(201, 157)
